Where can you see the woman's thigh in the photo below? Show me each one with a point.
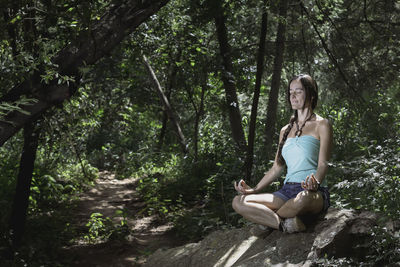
(305, 202)
(270, 200)
(309, 202)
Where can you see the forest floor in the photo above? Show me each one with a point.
(145, 236)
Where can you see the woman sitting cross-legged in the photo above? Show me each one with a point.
(304, 146)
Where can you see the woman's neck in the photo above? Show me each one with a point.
(303, 114)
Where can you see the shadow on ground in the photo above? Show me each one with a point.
(146, 234)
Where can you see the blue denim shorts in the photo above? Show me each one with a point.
(290, 190)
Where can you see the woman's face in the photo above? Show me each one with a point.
(297, 95)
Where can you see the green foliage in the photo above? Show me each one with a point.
(154, 186)
(9, 167)
(49, 189)
(115, 120)
(45, 233)
(334, 262)
(6, 108)
(384, 249)
(365, 168)
(370, 181)
(58, 177)
(194, 196)
(103, 229)
(97, 227)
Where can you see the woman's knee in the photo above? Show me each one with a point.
(236, 203)
(304, 199)
(239, 203)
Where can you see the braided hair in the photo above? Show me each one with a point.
(311, 89)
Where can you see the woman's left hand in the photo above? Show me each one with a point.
(310, 184)
(242, 188)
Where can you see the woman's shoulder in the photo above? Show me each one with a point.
(323, 124)
(283, 129)
(321, 120)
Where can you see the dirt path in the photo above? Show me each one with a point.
(106, 197)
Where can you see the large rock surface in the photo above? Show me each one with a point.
(338, 233)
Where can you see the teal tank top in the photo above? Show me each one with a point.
(301, 157)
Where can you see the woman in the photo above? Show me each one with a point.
(304, 146)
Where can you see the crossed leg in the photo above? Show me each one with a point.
(304, 202)
(268, 209)
(259, 208)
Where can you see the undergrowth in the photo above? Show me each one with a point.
(197, 198)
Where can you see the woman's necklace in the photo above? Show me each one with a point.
(300, 129)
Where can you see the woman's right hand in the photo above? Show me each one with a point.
(242, 188)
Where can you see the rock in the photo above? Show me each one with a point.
(339, 233)
(331, 234)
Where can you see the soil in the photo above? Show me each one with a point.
(146, 233)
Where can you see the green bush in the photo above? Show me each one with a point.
(370, 181)
(103, 229)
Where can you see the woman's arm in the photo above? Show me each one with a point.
(271, 175)
(326, 142)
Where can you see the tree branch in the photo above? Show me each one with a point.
(331, 56)
(118, 21)
(167, 106)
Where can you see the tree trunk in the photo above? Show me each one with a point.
(119, 21)
(228, 79)
(199, 113)
(171, 85)
(22, 192)
(163, 130)
(199, 110)
(167, 107)
(10, 28)
(254, 107)
(276, 79)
